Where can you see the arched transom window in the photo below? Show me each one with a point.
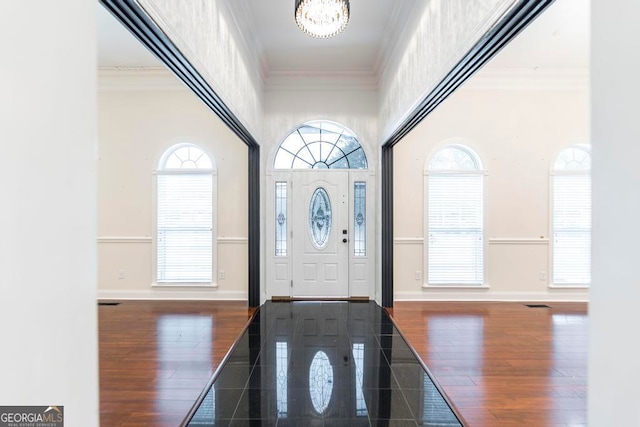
(572, 216)
(455, 217)
(184, 241)
(320, 145)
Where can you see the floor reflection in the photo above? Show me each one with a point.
(323, 363)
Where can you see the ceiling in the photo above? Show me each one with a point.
(269, 26)
(557, 39)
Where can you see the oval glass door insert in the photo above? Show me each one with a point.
(320, 217)
(320, 381)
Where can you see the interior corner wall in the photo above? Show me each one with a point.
(135, 128)
(47, 221)
(206, 34)
(517, 133)
(443, 31)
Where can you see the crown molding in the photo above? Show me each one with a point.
(244, 28)
(338, 80)
(137, 78)
(403, 21)
(529, 78)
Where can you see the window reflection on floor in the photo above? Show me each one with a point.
(282, 372)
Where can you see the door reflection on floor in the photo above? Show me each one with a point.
(323, 363)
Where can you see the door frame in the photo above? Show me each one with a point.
(279, 269)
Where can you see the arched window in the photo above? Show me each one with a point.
(320, 145)
(455, 217)
(184, 244)
(572, 216)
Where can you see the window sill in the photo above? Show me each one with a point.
(568, 286)
(184, 285)
(455, 286)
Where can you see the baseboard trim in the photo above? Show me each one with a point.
(323, 299)
(173, 294)
(442, 295)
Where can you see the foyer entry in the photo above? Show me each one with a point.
(323, 195)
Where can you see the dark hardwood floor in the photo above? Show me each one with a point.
(504, 364)
(157, 356)
(501, 364)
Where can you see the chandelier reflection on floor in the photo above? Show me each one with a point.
(322, 18)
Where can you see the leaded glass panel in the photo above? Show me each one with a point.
(360, 219)
(320, 217)
(281, 219)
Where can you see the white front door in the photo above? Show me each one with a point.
(320, 243)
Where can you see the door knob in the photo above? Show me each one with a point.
(344, 240)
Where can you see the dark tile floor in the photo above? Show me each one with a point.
(322, 364)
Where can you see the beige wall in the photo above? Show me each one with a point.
(135, 128)
(517, 133)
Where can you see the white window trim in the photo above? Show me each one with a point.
(467, 145)
(214, 226)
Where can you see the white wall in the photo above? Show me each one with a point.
(613, 314)
(136, 126)
(517, 132)
(440, 34)
(206, 34)
(47, 220)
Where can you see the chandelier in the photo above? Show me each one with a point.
(322, 18)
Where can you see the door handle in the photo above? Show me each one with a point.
(344, 240)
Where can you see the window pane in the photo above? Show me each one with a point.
(573, 158)
(186, 156)
(320, 145)
(360, 219)
(572, 229)
(455, 224)
(453, 158)
(281, 219)
(184, 221)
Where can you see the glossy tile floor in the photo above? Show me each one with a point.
(322, 364)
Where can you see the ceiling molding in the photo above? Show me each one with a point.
(401, 23)
(244, 23)
(340, 80)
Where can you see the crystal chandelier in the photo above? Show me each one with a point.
(322, 18)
